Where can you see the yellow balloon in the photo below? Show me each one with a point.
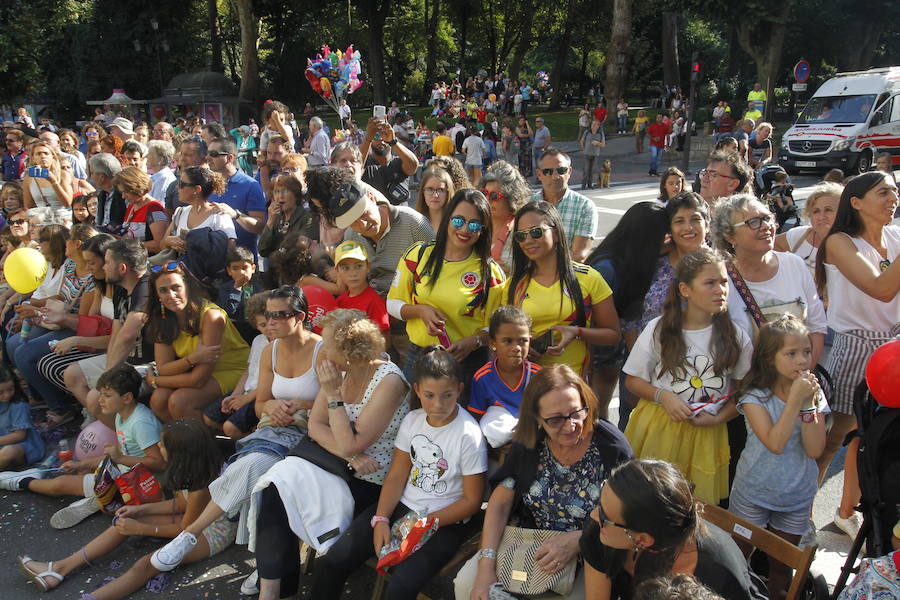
(25, 269)
(325, 83)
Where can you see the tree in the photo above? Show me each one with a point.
(618, 54)
(249, 56)
(763, 40)
(215, 40)
(431, 24)
(670, 49)
(376, 12)
(562, 51)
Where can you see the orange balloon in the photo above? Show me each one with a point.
(326, 84)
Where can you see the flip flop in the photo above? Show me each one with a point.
(39, 579)
(55, 420)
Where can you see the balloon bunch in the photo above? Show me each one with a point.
(542, 79)
(334, 74)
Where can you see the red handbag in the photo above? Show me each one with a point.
(92, 326)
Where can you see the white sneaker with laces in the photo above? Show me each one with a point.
(74, 513)
(9, 480)
(850, 525)
(170, 556)
(250, 586)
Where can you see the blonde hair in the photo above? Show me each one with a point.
(56, 167)
(295, 160)
(825, 188)
(358, 338)
(133, 180)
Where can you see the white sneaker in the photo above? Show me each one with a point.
(850, 525)
(170, 556)
(9, 480)
(250, 586)
(74, 513)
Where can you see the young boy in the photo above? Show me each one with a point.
(231, 414)
(352, 265)
(234, 294)
(137, 432)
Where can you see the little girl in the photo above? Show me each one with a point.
(438, 469)
(194, 461)
(775, 482)
(497, 387)
(20, 442)
(681, 367)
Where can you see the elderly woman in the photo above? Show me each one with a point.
(53, 187)
(647, 524)
(559, 444)
(358, 375)
(199, 354)
(287, 217)
(145, 218)
(195, 186)
(435, 190)
(821, 208)
(506, 191)
(160, 155)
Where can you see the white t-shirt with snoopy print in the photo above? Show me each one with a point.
(440, 457)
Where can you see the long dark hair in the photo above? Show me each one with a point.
(523, 267)
(656, 500)
(194, 457)
(634, 246)
(847, 219)
(97, 246)
(295, 298)
(482, 246)
(54, 237)
(726, 346)
(435, 363)
(162, 326)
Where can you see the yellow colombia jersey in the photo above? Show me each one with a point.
(459, 283)
(546, 307)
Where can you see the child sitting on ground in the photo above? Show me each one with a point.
(352, 264)
(20, 442)
(235, 414)
(137, 430)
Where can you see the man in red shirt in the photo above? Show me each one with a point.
(600, 115)
(657, 133)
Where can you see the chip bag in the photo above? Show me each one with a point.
(138, 486)
(408, 534)
(105, 488)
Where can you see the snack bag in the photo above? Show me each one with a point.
(407, 535)
(105, 487)
(138, 486)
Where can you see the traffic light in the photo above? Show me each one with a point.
(695, 70)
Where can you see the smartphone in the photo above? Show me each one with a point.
(41, 172)
(541, 343)
(378, 111)
(443, 338)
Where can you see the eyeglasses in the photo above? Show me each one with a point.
(493, 195)
(603, 518)
(184, 184)
(576, 417)
(459, 222)
(169, 267)
(18, 221)
(558, 170)
(755, 223)
(535, 232)
(710, 174)
(216, 153)
(429, 191)
(279, 315)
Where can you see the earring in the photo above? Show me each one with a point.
(162, 310)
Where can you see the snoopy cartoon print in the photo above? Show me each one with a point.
(429, 465)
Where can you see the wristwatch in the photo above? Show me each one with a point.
(333, 405)
(486, 553)
(379, 519)
(392, 142)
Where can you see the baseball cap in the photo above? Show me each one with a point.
(349, 249)
(348, 203)
(124, 124)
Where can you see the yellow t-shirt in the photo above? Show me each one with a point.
(457, 286)
(233, 358)
(753, 114)
(442, 145)
(640, 123)
(546, 308)
(754, 95)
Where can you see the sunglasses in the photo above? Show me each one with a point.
(90, 134)
(169, 267)
(493, 195)
(184, 184)
(18, 221)
(535, 233)
(557, 170)
(755, 223)
(216, 153)
(604, 520)
(279, 315)
(576, 416)
(459, 222)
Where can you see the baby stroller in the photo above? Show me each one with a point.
(878, 462)
(767, 190)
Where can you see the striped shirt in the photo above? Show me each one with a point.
(72, 287)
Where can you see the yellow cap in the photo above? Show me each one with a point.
(349, 249)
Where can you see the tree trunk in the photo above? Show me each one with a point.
(376, 13)
(525, 39)
(671, 74)
(431, 26)
(249, 57)
(463, 8)
(562, 52)
(862, 37)
(585, 51)
(212, 13)
(766, 49)
(617, 55)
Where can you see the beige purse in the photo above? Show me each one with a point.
(520, 574)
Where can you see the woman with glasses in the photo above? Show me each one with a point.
(561, 454)
(820, 208)
(648, 524)
(435, 190)
(195, 186)
(200, 356)
(145, 218)
(506, 191)
(442, 289)
(287, 215)
(569, 303)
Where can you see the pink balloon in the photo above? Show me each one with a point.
(91, 440)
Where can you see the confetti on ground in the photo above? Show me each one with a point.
(116, 565)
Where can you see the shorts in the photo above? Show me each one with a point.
(92, 368)
(795, 521)
(609, 356)
(244, 418)
(220, 534)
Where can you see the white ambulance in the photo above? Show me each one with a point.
(850, 119)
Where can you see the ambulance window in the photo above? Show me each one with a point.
(895, 112)
(883, 114)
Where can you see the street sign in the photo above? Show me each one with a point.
(802, 71)
(798, 87)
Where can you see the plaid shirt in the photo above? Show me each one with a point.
(577, 212)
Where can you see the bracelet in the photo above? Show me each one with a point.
(333, 405)
(187, 359)
(579, 334)
(350, 462)
(808, 410)
(656, 396)
(490, 553)
(379, 519)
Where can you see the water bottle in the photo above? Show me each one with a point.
(26, 328)
(64, 453)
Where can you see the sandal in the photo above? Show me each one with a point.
(55, 420)
(40, 579)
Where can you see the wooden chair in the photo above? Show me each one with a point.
(778, 548)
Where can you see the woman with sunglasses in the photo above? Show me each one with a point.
(570, 303)
(859, 266)
(442, 289)
(435, 190)
(648, 524)
(200, 356)
(195, 186)
(506, 191)
(559, 444)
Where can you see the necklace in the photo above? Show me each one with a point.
(351, 390)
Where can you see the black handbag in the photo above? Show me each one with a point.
(309, 450)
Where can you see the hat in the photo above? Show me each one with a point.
(349, 249)
(348, 203)
(124, 124)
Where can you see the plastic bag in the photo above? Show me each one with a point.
(138, 486)
(408, 534)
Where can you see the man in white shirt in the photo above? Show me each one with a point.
(344, 113)
(473, 148)
(319, 151)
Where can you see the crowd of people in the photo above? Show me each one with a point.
(379, 356)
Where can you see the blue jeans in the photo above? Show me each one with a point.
(655, 153)
(623, 122)
(25, 355)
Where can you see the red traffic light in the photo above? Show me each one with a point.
(695, 67)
